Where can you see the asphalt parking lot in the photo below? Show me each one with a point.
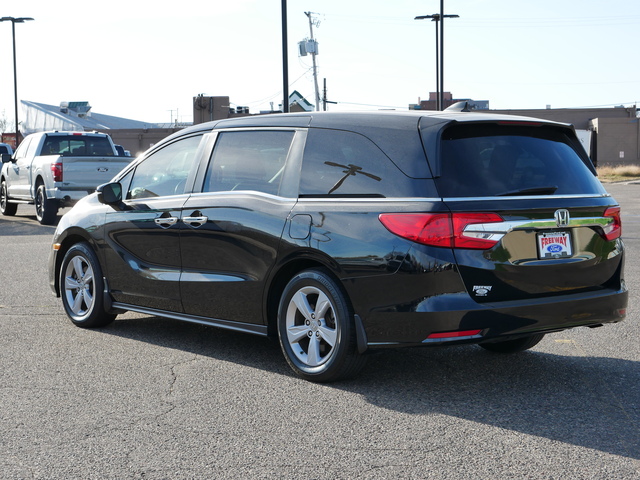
(151, 398)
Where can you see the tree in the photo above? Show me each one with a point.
(5, 125)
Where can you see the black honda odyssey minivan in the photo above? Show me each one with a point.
(340, 233)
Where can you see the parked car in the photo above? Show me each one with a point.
(6, 149)
(341, 233)
(121, 151)
(52, 170)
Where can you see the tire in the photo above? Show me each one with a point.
(316, 328)
(513, 346)
(6, 208)
(46, 209)
(82, 287)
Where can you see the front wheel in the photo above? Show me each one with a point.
(6, 208)
(513, 346)
(46, 209)
(82, 287)
(316, 328)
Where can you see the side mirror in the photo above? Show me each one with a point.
(6, 157)
(110, 193)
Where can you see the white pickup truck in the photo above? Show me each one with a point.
(56, 169)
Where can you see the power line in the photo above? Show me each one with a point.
(502, 22)
(279, 92)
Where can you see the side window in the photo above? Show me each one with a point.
(165, 171)
(248, 160)
(32, 148)
(345, 163)
(21, 151)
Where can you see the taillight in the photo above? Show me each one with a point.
(426, 228)
(441, 229)
(614, 229)
(477, 240)
(56, 171)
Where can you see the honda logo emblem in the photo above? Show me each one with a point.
(562, 217)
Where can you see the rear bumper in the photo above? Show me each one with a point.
(68, 197)
(458, 312)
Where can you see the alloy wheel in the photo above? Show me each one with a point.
(79, 286)
(311, 326)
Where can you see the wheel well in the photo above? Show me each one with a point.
(280, 281)
(66, 244)
(36, 184)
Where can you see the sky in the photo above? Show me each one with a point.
(147, 60)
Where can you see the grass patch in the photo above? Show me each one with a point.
(619, 174)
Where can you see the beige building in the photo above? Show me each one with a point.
(611, 136)
(615, 132)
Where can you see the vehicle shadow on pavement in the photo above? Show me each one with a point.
(25, 225)
(593, 402)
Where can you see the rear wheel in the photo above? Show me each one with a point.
(316, 328)
(6, 208)
(513, 346)
(82, 287)
(46, 209)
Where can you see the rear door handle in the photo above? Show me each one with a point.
(195, 222)
(166, 222)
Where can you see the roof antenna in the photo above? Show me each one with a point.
(462, 106)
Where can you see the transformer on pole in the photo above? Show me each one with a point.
(309, 45)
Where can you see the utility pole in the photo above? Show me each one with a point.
(324, 96)
(312, 22)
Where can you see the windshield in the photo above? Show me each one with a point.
(480, 160)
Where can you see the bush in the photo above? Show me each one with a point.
(618, 173)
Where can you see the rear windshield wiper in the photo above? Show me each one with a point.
(530, 191)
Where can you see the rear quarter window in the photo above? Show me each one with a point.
(499, 160)
(341, 163)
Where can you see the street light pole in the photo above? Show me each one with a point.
(13, 21)
(442, 16)
(436, 17)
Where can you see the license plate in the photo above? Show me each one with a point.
(554, 245)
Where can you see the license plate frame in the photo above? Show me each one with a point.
(552, 245)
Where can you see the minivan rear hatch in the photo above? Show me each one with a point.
(547, 227)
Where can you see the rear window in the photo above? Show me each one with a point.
(499, 160)
(77, 145)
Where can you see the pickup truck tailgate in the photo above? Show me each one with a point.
(86, 173)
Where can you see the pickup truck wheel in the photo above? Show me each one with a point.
(6, 208)
(82, 288)
(46, 209)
